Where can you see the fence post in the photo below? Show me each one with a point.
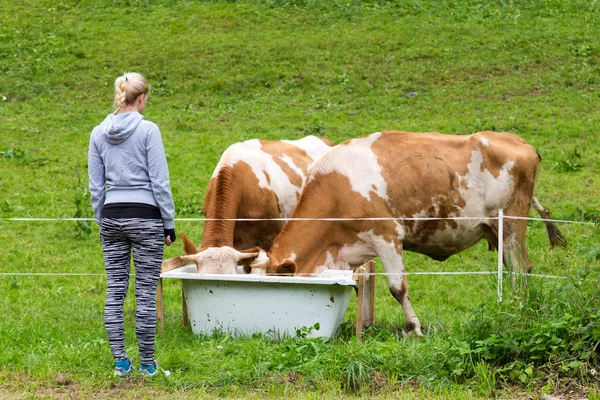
(500, 251)
(359, 277)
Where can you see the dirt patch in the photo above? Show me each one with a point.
(74, 391)
(15, 386)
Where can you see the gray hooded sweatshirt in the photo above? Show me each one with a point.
(127, 164)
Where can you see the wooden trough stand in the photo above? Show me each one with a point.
(363, 276)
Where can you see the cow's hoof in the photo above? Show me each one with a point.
(412, 329)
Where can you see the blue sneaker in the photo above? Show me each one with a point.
(152, 369)
(122, 368)
(149, 370)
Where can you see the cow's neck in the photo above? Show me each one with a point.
(306, 244)
(218, 233)
(221, 208)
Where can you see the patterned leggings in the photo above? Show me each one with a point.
(145, 238)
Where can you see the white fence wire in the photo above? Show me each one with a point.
(501, 217)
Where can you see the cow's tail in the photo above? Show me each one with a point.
(556, 238)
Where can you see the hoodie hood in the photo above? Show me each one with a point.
(117, 128)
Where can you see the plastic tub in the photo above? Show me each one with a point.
(273, 305)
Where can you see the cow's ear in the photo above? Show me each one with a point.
(188, 258)
(286, 268)
(248, 256)
(196, 259)
(188, 246)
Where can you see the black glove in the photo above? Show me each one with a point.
(171, 233)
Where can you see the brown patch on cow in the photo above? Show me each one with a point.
(503, 146)
(267, 177)
(235, 193)
(220, 201)
(294, 177)
(399, 293)
(402, 291)
(410, 326)
(452, 177)
(322, 237)
(326, 141)
(425, 229)
(423, 168)
(278, 150)
(286, 268)
(332, 299)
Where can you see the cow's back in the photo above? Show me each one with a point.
(422, 175)
(448, 172)
(256, 179)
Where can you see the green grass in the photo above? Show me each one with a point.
(224, 71)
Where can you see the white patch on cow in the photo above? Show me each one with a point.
(451, 240)
(263, 164)
(484, 141)
(215, 260)
(260, 264)
(312, 145)
(400, 230)
(377, 244)
(330, 263)
(484, 192)
(355, 254)
(235, 153)
(290, 162)
(358, 162)
(483, 195)
(291, 258)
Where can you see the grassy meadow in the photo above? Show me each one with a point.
(225, 71)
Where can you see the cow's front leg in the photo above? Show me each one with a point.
(393, 263)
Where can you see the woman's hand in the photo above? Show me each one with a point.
(170, 236)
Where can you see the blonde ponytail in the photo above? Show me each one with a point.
(128, 88)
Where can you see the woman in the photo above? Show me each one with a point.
(131, 197)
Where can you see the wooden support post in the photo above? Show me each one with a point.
(359, 277)
(365, 312)
(172, 263)
(184, 310)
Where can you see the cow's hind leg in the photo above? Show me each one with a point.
(393, 263)
(516, 259)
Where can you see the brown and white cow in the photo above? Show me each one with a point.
(256, 179)
(394, 175)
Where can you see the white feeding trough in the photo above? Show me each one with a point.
(273, 305)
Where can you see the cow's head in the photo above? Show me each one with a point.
(264, 265)
(215, 260)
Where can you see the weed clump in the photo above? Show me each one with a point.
(553, 329)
